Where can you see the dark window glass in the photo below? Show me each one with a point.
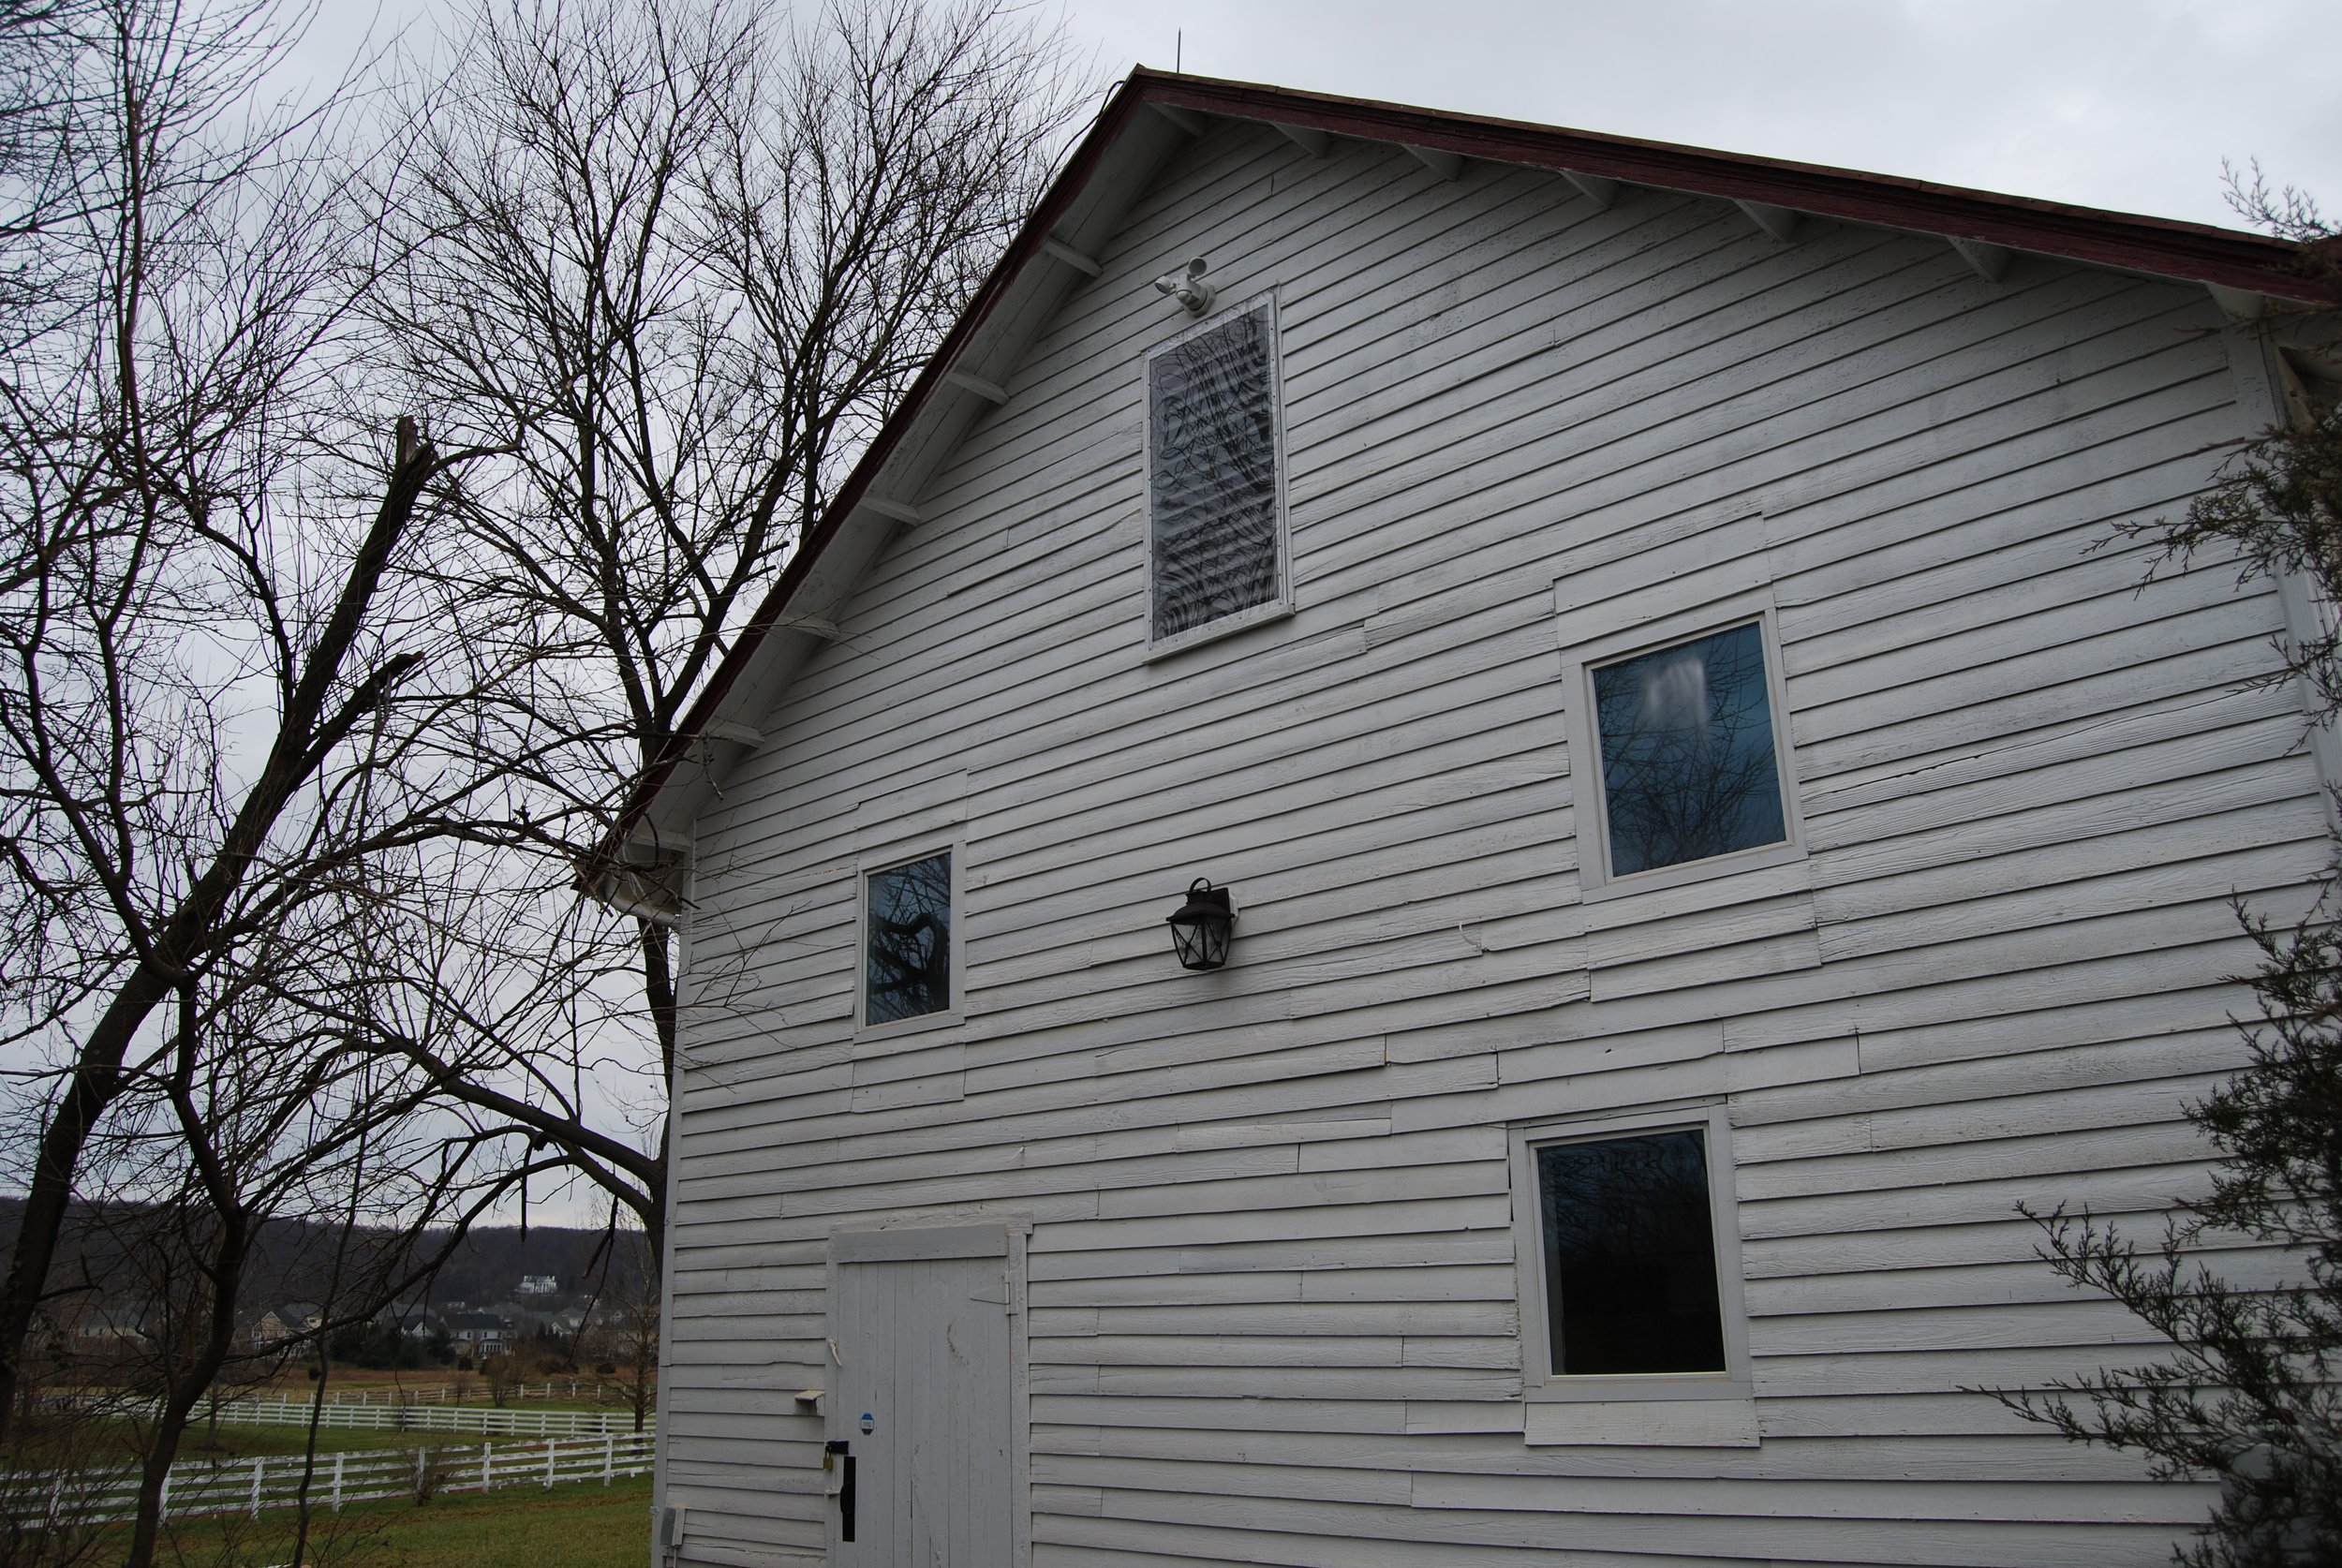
(1687, 760)
(1630, 1260)
(907, 967)
(1213, 493)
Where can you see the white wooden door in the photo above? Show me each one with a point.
(923, 1400)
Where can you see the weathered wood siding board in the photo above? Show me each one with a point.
(1436, 1532)
(1272, 1311)
(1122, 1434)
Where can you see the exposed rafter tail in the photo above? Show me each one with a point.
(1596, 188)
(899, 512)
(1071, 256)
(1448, 166)
(991, 392)
(1184, 119)
(1316, 143)
(1985, 258)
(2239, 304)
(1779, 222)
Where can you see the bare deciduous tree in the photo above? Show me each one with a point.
(261, 1109)
(224, 685)
(622, 1331)
(300, 726)
(43, 89)
(682, 259)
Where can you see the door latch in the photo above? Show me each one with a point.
(838, 1462)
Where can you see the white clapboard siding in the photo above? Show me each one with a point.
(1272, 1305)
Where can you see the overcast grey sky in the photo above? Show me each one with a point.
(2128, 104)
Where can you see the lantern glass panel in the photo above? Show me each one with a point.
(1204, 944)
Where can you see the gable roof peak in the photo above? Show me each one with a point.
(1146, 118)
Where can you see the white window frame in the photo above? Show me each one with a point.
(949, 1017)
(1583, 732)
(1282, 603)
(1538, 1381)
(2298, 368)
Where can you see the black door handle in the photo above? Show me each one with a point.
(841, 1453)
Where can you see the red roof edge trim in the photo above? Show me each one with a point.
(2167, 247)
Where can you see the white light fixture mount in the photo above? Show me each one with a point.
(1192, 289)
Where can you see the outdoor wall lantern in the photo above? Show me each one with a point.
(1200, 929)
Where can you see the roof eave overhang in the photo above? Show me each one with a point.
(2161, 247)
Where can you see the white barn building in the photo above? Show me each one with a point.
(1712, 824)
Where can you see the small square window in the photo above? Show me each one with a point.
(907, 941)
(1626, 1237)
(1630, 1256)
(1690, 770)
(1214, 490)
(2312, 384)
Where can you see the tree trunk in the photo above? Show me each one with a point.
(186, 1390)
(659, 992)
(304, 734)
(97, 1079)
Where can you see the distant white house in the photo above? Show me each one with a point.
(537, 1284)
(289, 1321)
(1631, 635)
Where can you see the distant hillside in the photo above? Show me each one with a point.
(295, 1256)
(490, 1262)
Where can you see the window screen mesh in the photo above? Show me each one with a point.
(1212, 492)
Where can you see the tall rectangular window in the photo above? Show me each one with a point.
(1630, 1255)
(1689, 765)
(907, 941)
(1214, 522)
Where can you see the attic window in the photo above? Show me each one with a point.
(1689, 768)
(1215, 514)
(907, 941)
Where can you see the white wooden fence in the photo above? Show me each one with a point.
(199, 1487)
(484, 1419)
(597, 1389)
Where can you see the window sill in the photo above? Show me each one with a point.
(1758, 859)
(898, 1028)
(1227, 625)
(1661, 1423)
(1638, 1388)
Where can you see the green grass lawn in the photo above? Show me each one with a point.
(572, 1526)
